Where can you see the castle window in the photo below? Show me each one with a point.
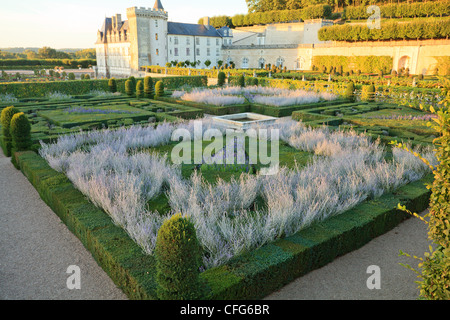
(197, 41)
(217, 42)
(156, 23)
(175, 40)
(188, 41)
(208, 52)
(245, 63)
(176, 52)
(280, 62)
(157, 52)
(208, 41)
(198, 51)
(156, 36)
(217, 52)
(188, 51)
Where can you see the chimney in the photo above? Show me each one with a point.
(118, 20)
(206, 22)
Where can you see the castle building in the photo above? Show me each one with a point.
(147, 38)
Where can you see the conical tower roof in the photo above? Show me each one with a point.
(158, 5)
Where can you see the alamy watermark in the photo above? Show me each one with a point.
(374, 21)
(232, 147)
(374, 280)
(74, 280)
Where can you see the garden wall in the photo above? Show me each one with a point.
(79, 87)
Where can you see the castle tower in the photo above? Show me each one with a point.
(147, 36)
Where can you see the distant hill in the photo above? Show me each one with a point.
(21, 49)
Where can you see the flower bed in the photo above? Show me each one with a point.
(347, 169)
(234, 95)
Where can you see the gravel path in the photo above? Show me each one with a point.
(347, 276)
(36, 249)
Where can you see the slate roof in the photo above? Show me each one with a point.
(188, 29)
(158, 5)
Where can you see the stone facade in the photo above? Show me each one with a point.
(147, 38)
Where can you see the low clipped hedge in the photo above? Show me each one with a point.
(250, 276)
(79, 87)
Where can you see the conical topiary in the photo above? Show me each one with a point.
(149, 90)
(178, 259)
(20, 130)
(139, 89)
(221, 78)
(129, 89)
(159, 89)
(112, 84)
(350, 91)
(5, 118)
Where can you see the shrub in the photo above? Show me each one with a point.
(112, 85)
(159, 89)
(129, 89)
(255, 81)
(139, 89)
(20, 130)
(241, 81)
(368, 93)
(350, 91)
(71, 76)
(435, 266)
(149, 90)
(178, 259)
(133, 80)
(221, 78)
(6, 116)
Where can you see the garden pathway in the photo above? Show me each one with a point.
(347, 276)
(36, 249)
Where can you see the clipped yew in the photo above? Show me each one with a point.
(221, 78)
(241, 81)
(368, 93)
(140, 89)
(20, 130)
(178, 260)
(6, 116)
(149, 90)
(112, 85)
(350, 91)
(129, 89)
(159, 89)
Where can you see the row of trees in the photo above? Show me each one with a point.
(49, 53)
(419, 30)
(402, 10)
(270, 5)
(240, 20)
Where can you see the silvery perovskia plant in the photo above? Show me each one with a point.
(435, 266)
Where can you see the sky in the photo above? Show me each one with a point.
(74, 23)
